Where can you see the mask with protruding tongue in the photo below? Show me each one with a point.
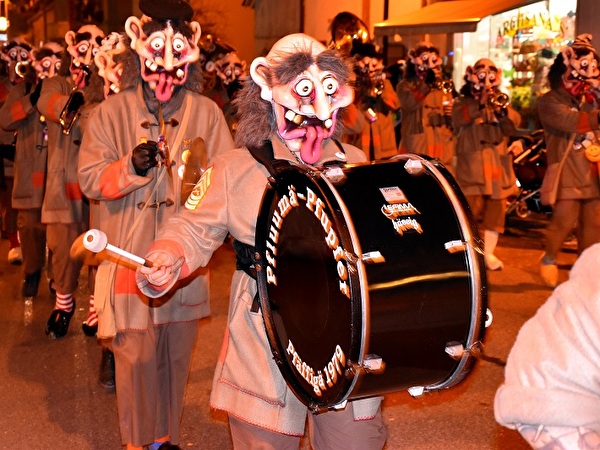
(163, 90)
(308, 132)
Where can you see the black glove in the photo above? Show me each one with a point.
(430, 77)
(144, 157)
(35, 95)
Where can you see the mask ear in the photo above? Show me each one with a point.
(70, 38)
(258, 71)
(133, 28)
(196, 32)
(568, 53)
(101, 61)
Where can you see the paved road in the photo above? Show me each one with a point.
(51, 398)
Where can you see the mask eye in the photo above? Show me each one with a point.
(178, 44)
(492, 78)
(157, 44)
(12, 54)
(46, 64)
(24, 55)
(584, 63)
(481, 76)
(330, 85)
(304, 88)
(83, 48)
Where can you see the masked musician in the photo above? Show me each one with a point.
(286, 117)
(17, 56)
(426, 99)
(376, 102)
(482, 122)
(65, 211)
(20, 115)
(142, 149)
(570, 129)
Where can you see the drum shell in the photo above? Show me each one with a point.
(404, 310)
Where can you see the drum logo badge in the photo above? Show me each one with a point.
(399, 210)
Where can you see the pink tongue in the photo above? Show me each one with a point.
(310, 151)
(163, 88)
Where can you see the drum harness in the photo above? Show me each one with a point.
(246, 256)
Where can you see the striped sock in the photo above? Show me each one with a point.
(64, 302)
(92, 317)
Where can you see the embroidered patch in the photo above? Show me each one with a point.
(199, 190)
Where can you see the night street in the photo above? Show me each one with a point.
(52, 398)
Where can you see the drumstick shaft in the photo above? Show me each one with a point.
(128, 255)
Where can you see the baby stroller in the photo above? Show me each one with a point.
(529, 167)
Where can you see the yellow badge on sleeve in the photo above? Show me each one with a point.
(199, 190)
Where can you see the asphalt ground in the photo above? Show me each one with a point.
(51, 397)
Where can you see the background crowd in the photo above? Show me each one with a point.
(114, 132)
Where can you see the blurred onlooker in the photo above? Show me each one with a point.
(551, 392)
(426, 99)
(482, 121)
(570, 126)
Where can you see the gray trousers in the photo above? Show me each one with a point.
(334, 430)
(151, 371)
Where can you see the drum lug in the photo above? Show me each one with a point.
(456, 350)
(455, 246)
(372, 364)
(416, 391)
(414, 167)
(372, 257)
(334, 174)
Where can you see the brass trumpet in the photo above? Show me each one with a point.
(21, 68)
(498, 99)
(446, 86)
(72, 109)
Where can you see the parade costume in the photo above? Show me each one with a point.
(118, 167)
(568, 123)
(247, 383)
(426, 100)
(483, 163)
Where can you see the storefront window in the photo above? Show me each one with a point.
(523, 42)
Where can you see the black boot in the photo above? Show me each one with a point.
(107, 370)
(58, 323)
(31, 284)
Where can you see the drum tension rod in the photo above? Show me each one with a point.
(372, 364)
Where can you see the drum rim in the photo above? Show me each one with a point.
(318, 179)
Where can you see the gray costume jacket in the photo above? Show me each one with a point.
(247, 381)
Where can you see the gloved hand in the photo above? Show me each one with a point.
(35, 95)
(144, 157)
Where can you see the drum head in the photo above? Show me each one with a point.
(380, 264)
(308, 291)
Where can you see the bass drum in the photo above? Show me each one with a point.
(371, 279)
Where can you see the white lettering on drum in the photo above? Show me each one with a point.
(402, 225)
(318, 207)
(322, 379)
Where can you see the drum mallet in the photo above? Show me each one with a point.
(95, 241)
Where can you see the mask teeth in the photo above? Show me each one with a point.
(291, 116)
(151, 65)
(328, 123)
(180, 73)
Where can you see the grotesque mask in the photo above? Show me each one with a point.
(107, 61)
(47, 61)
(166, 48)
(18, 55)
(484, 76)
(581, 61)
(307, 85)
(82, 46)
(426, 57)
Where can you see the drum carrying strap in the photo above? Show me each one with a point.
(244, 253)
